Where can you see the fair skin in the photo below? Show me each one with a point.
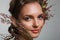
(31, 18)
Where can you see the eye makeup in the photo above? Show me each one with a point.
(43, 16)
(27, 18)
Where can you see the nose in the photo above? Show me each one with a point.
(35, 23)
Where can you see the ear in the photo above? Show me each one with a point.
(13, 21)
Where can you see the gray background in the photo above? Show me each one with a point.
(51, 29)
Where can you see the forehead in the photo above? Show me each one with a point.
(31, 8)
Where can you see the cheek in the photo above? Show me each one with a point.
(27, 25)
(41, 23)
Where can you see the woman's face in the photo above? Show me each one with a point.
(31, 18)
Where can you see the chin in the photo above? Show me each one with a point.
(34, 35)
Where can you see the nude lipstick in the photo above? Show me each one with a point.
(35, 31)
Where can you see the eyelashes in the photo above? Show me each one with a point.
(40, 17)
(27, 18)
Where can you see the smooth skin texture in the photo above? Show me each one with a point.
(31, 18)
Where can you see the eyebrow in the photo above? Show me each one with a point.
(42, 14)
(32, 16)
(39, 14)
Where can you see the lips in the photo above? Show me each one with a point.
(35, 31)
